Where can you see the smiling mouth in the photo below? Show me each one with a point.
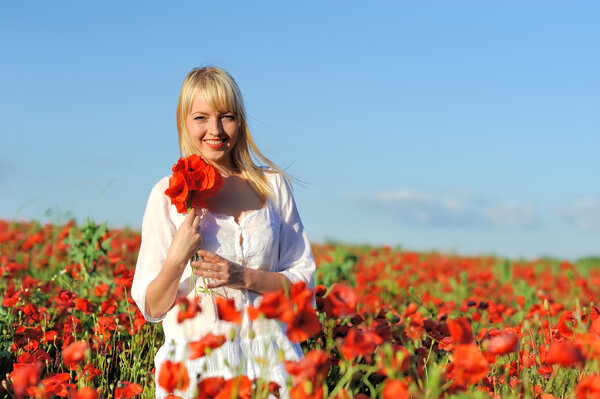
(215, 143)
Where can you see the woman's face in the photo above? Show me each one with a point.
(212, 132)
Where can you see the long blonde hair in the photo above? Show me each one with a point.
(221, 92)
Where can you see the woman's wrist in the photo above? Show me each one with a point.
(248, 277)
(263, 281)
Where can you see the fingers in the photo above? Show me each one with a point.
(195, 221)
(204, 267)
(190, 216)
(213, 274)
(210, 256)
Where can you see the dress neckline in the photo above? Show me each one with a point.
(243, 214)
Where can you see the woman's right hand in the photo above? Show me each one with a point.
(186, 242)
(162, 291)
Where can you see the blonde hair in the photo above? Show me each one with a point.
(221, 92)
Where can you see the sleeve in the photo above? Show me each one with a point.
(296, 260)
(157, 233)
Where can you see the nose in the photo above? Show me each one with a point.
(215, 126)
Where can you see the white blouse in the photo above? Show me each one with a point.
(271, 238)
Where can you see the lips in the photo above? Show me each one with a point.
(215, 144)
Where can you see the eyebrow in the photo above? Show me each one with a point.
(218, 112)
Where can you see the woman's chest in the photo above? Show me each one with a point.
(235, 198)
(252, 240)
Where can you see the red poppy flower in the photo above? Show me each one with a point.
(210, 387)
(84, 393)
(32, 240)
(84, 305)
(314, 367)
(461, 330)
(547, 396)
(126, 390)
(341, 301)
(227, 311)
(90, 372)
(300, 294)
(50, 336)
(75, 353)
(65, 298)
(101, 289)
(595, 327)
(545, 371)
(25, 376)
(395, 389)
(588, 387)
(304, 324)
(564, 353)
(109, 306)
(274, 389)
(198, 348)
(178, 191)
(447, 343)
(469, 365)
(566, 323)
(595, 313)
(356, 344)
(172, 376)
(306, 391)
(503, 344)
(58, 384)
(239, 387)
(11, 296)
(273, 305)
(188, 308)
(193, 181)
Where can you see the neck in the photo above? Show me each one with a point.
(228, 171)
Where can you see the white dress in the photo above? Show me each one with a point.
(272, 239)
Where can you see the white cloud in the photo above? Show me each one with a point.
(583, 214)
(459, 210)
(511, 214)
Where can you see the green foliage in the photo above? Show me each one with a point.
(339, 269)
(87, 245)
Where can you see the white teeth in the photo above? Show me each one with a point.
(213, 142)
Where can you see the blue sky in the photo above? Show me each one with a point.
(459, 126)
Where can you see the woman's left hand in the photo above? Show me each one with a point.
(222, 272)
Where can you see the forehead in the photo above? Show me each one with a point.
(211, 101)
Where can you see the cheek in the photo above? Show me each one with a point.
(195, 133)
(235, 136)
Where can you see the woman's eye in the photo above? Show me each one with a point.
(229, 117)
(199, 118)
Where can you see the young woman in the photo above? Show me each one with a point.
(250, 238)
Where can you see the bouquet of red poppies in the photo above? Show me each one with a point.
(192, 183)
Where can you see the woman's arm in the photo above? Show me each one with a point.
(262, 281)
(226, 273)
(162, 291)
(296, 260)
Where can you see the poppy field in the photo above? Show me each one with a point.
(388, 323)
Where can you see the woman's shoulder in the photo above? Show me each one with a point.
(160, 186)
(271, 174)
(157, 193)
(277, 182)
